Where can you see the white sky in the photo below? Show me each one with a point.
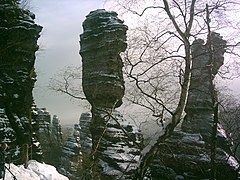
(59, 47)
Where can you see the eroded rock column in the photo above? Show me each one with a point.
(103, 40)
(187, 153)
(18, 37)
(199, 107)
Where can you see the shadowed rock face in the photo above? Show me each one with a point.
(18, 37)
(116, 143)
(103, 39)
(85, 135)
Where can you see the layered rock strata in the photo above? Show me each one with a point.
(18, 37)
(85, 134)
(50, 136)
(104, 38)
(118, 145)
(199, 107)
(187, 153)
(71, 157)
(114, 149)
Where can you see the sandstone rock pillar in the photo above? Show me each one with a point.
(199, 109)
(187, 153)
(102, 41)
(18, 37)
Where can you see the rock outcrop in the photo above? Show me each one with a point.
(85, 135)
(115, 150)
(50, 136)
(104, 38)
(57, 129)
(200, 106)
(187, 153)
(18, 37)
(71, 157)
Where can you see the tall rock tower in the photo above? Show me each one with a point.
(187, 153)
(102, 41)
(104, 38)
(199, 107)
(18, 37)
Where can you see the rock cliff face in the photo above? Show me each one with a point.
(102, 41)
(187, 153)
(18, 37)
(57, 129)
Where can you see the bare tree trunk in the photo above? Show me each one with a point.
(25, 154)
(213, 97)
(150, 151)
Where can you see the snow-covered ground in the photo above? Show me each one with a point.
(34, 171)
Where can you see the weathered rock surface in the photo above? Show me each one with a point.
(71, 157)
(18, 37)
(85, 134)
(113, 149)
(187, 153)
(50, 136)
(118, 145)
(199, 97)
(103, 39)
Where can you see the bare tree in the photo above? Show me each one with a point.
(68, 82)
(158, 59)
(229, 118)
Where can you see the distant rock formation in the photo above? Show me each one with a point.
(50, 136)
(57, 129)
(44, 132)
(71, 157)
(18, 37)
(85, 134)
(187, 153)
(74, 160)
(114, 141)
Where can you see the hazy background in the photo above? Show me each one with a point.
(59, 47)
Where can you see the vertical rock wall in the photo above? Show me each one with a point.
(18, 37)
(113, 149)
